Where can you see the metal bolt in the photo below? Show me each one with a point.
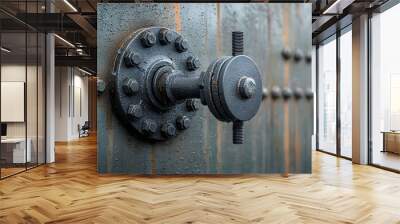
(135, 111)
(101, 86)
(276, 92)
(149, 126)
(192, 105)
(183, 122)
(148, 39)
(193, 63)
(168, 130)
(237, 132)
(181, 44)
(287, 93)
(265, 93)
(286, 54)
(131, 59)
(298, 55)
(298, 93)
(165, 36)
(247, 87)
(130, 86)
(309, 94)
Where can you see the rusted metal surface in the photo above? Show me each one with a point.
(277, 140)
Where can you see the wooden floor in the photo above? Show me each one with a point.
(70, 191)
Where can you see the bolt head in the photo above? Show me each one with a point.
(132, 59)
(165, 36)
(148, 39)
(181, 44)
(101, 86)
(193, 63)
(247, 87)
(168, 130)
(149, 126)
(183, 122)
(135, 111)
(130, 86)
(192, 105)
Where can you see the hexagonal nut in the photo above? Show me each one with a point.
(247, 87)
(135, 111)
(130, 86)
(193, 63)
(183, 122)
(149, 126)
(181, 44)
(165, 36)
(148, 39)
(132, 59)
(168, 130)
(192, 105)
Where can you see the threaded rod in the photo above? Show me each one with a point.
(238, 136)
(237, 43)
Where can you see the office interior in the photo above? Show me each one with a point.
(49, 91)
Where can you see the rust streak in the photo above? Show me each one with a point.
(178, 22)
(286, 138)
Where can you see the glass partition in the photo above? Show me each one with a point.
(385, 89)
(327, 96)
(22, 95)
(346, 93)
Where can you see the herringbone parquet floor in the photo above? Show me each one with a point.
(70, 191)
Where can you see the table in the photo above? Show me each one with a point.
(391, 141)
(17, 150)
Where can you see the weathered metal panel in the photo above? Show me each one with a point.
(277, 140)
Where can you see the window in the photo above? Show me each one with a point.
(385, 89)
(327, 97)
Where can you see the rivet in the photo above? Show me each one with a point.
(309, 94)
(287, 93)
(276, 92)
(298, 55)
(286, 54)
(298, 93)
(101, 86)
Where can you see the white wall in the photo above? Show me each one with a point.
(71, 94)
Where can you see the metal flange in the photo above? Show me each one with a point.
(138, 61)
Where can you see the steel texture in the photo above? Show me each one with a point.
(277, 140)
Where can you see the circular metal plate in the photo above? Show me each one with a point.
(151, 58)
(235, 106)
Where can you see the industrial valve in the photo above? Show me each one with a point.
(156, 85)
